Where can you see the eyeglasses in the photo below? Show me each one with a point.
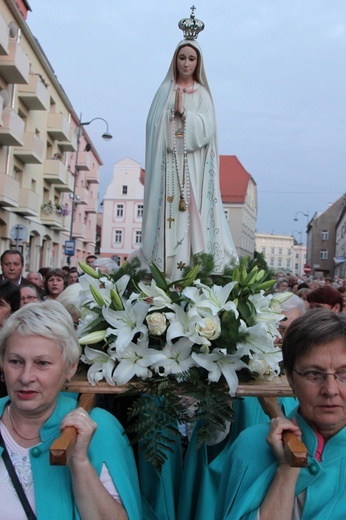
(28, 298)
(317, 376)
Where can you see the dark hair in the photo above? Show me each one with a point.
(54, 272)
(314, 328)
(326, 294)
(43, 271)
(91, 256)
(12, 252)
(10, 293)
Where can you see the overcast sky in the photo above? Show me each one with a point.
(276, 68)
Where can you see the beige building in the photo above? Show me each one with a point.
(239, 197)
(278, 251)
(39, 173)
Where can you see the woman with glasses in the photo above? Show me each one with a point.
(257, 482)
(30, 293)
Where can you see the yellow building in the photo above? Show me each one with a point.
(39, 130)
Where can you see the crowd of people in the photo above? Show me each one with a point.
(39, 351)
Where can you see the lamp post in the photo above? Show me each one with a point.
(299, 249)
(70, 245)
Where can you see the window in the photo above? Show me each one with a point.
(124, 190)
(139, 210)
(324, 254)
(324, 234)
(280, 262)
(288, 265)
(280, 250)
(296, 267)
(272, 251)
(297, 255)
(289, 251)
(264, 250)
(272, 262)
(118, 236)
(138, 237)
(119, 210)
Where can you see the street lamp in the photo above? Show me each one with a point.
(296, 231)
(107, 137)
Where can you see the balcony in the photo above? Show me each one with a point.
(82, 195)
(28, 202)
(84, 161)
(71, 144)
(12, 129)
(79, 230)
(92, 206)
(4, 35)
(34, 94)
(9, 191)
(54, 221)
(58, 127)
(14, 68)
(92, 176)
(90, 235)
(32, 150)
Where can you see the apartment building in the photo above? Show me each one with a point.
(49, 167)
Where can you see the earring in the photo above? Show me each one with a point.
(67, 382)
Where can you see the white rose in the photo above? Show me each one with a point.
(259, 366)
(157, 323)
(211, 329)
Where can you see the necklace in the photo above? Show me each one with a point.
(183, 178)
(15, 429)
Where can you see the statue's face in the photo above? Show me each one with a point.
(187, 60)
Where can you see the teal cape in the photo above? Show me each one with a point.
(109, 445)
(251, 466)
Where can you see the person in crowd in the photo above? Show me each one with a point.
(90, 259)
(30, 293)
(257, 482)
(12, 265)
(39, 353)
(55, 282)
(282, 285)
(325, 296)
(342, 291)
(43, 271)
(73, 276)
(9, 303)
(203, 465)
(302, 293)
(105, 265)
(66, 269)
(36, 278)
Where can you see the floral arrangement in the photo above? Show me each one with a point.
(180, 345)
(50, 207)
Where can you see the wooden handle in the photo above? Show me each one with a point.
(295, 450)
(61, 448)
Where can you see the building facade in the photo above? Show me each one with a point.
(340, 243)
(321, 240)
(280, 252)
(39, 172)
(239, 197)
(123, 211)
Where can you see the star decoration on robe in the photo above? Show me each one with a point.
(181, 265)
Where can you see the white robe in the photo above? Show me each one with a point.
(171, 237)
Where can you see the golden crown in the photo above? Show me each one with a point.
(191, 26)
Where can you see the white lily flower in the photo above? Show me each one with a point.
(134, 361)
(184, 324)
(156, 297)
(259, 345)
(266, 311)
(127, 323)
(102, 365)
(174, 358)
(215, 299)
(218, 363)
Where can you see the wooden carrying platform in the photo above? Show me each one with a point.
(266, 391)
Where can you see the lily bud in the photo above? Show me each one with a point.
(116, 300)
(88, 270)
(97, 296)
(93, 337)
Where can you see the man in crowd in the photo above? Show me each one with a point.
(12, 264)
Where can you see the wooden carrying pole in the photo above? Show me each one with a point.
(295, 450)
(60, 450)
